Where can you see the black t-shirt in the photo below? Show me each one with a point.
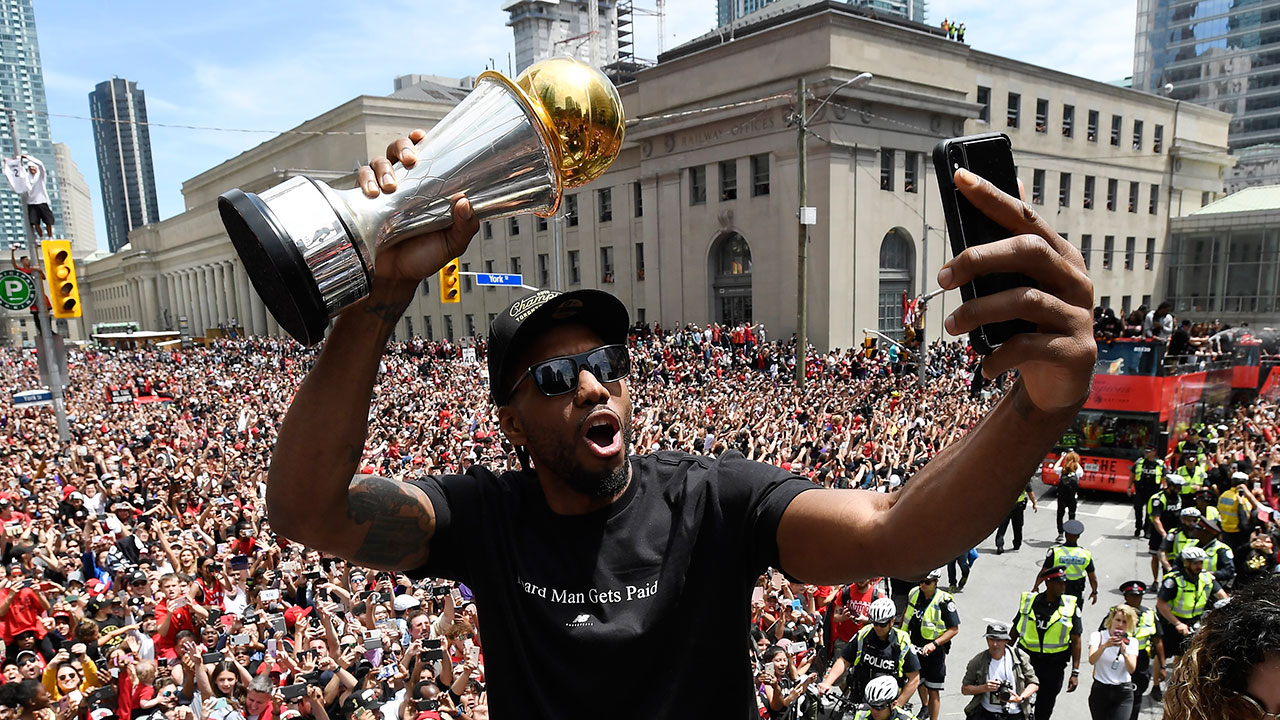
(639, 608)
(1180, 342)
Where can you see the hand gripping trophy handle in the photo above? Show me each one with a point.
(510, 147)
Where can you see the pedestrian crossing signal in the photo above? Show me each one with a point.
(64, 291)
(449, 283)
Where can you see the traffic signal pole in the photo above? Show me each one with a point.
(44, 322)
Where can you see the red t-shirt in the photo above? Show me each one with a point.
(24, 614)
(181, 621)
(857, 605)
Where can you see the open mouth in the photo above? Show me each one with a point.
(602, 432)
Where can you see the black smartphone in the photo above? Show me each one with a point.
(212, 658)
(240, 562)
(989, 156)
(427, 656)
(441, 590)
(294, 691)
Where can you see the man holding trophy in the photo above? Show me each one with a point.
(607, 581)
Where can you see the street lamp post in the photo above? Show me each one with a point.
(802, 254)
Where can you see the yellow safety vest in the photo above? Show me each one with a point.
(1146, 629)
(1211, 563)
(1074, 558)
(931, 623)
(1058, 637)
(1181, 541)
(1141, 474)
(1192, 598)
(1196, 478)
(900, 638)
(1234, 510)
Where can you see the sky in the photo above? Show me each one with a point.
(273, 65)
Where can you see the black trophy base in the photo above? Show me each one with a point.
(275, 266)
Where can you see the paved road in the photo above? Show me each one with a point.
(997, 581)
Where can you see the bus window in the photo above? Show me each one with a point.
(1128, 358)
(1110, 434)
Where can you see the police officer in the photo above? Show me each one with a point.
(1179, 538)
(1148, 476)
(1189, 445)
(931, 620)
(1235, 509)
(880, 694)
(1048, 627)
(1015, 518)
(1077, 561)
(877, 649)
(1192, 474)
(1183, 597)
(1219, 560)
(1150, 644)
(1162, 516)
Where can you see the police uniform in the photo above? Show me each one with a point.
(1167, 509)
(1077, 561)
(926, 620)
(870, 657)
(1221, 561)
(1014, 518)
(1175, 542)
(1147, 477)
(1045, 630)
(1191, 480)
(1188, 598)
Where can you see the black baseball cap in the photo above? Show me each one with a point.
(532, 315)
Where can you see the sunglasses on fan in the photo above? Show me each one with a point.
(559, 375)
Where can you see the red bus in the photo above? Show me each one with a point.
(1138, 398)
(1254, 374)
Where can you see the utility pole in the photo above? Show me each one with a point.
(924, 279)
(44, 323)
(802, 149)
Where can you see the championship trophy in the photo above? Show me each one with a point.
(511, 147)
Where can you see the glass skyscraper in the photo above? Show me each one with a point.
(22, 88)
(1223, 54)
(123, 141)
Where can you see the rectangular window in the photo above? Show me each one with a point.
(1130, 252)
(1108, 250)
(886, 169)
(488, 230)
(541, 224)
(575, 268)
(471, 324)
(604, 197)
(1113, 188)
(1149, 261)
(698, 185)
(640, 316)
(1105, 301)
(1086, 249)
(1157, 139)
(637, 197)
(488, 268)
(426, 327)
(1137, 134)
(1093, 126)
(1153, 204)
(514, 228)
(639, 261)
(728, 181)
(448, 327)
(759, 175)
(1126, 304)
(408, 326)
(1116, 121)
(1146, 301)
(1064, 189)
(571, 210)
(467, 280)
(1015, 108)
(492, 317)
(1042, 115)
(606, 265)
(1037, 187)
(984, 99)
(514, 264)
(1133, 196)
(1068, 120)
(544, 270)
(910, 171)
(1088, 192)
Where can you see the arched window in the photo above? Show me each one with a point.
(730, 262)
(735, 256)
(897, 275)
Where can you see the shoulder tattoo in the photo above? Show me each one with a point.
(399, 523)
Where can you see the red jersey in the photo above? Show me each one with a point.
(181, 621)
(24, 614)
(857, 605)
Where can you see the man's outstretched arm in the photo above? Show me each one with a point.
(964, 493)
(313, 493)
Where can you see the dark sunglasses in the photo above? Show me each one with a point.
(559, 375)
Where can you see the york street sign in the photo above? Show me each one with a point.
(17, 292)
(499, 279)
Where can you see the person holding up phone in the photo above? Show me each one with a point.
(1113, 652)
(175, 613)
(583, 506)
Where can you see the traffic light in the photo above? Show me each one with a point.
(64, 292)
(869, 347)
(449, 280)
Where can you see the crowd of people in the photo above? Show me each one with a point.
(142, 579)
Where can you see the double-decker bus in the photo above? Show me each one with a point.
(1139, 397)
(1254, 373)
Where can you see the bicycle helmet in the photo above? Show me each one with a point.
(882, 611)
(881, 691)
(1193, 554)
(1190, 512)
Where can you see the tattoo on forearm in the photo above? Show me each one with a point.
(386, 312)
(399, 525)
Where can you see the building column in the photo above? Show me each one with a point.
(259, 315)
(220, 293)
(226, 286)
(152, 285)
(206, 303)
(189, 297)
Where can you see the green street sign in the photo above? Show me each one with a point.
(17, 291)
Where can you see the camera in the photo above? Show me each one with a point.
(1004, 693)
